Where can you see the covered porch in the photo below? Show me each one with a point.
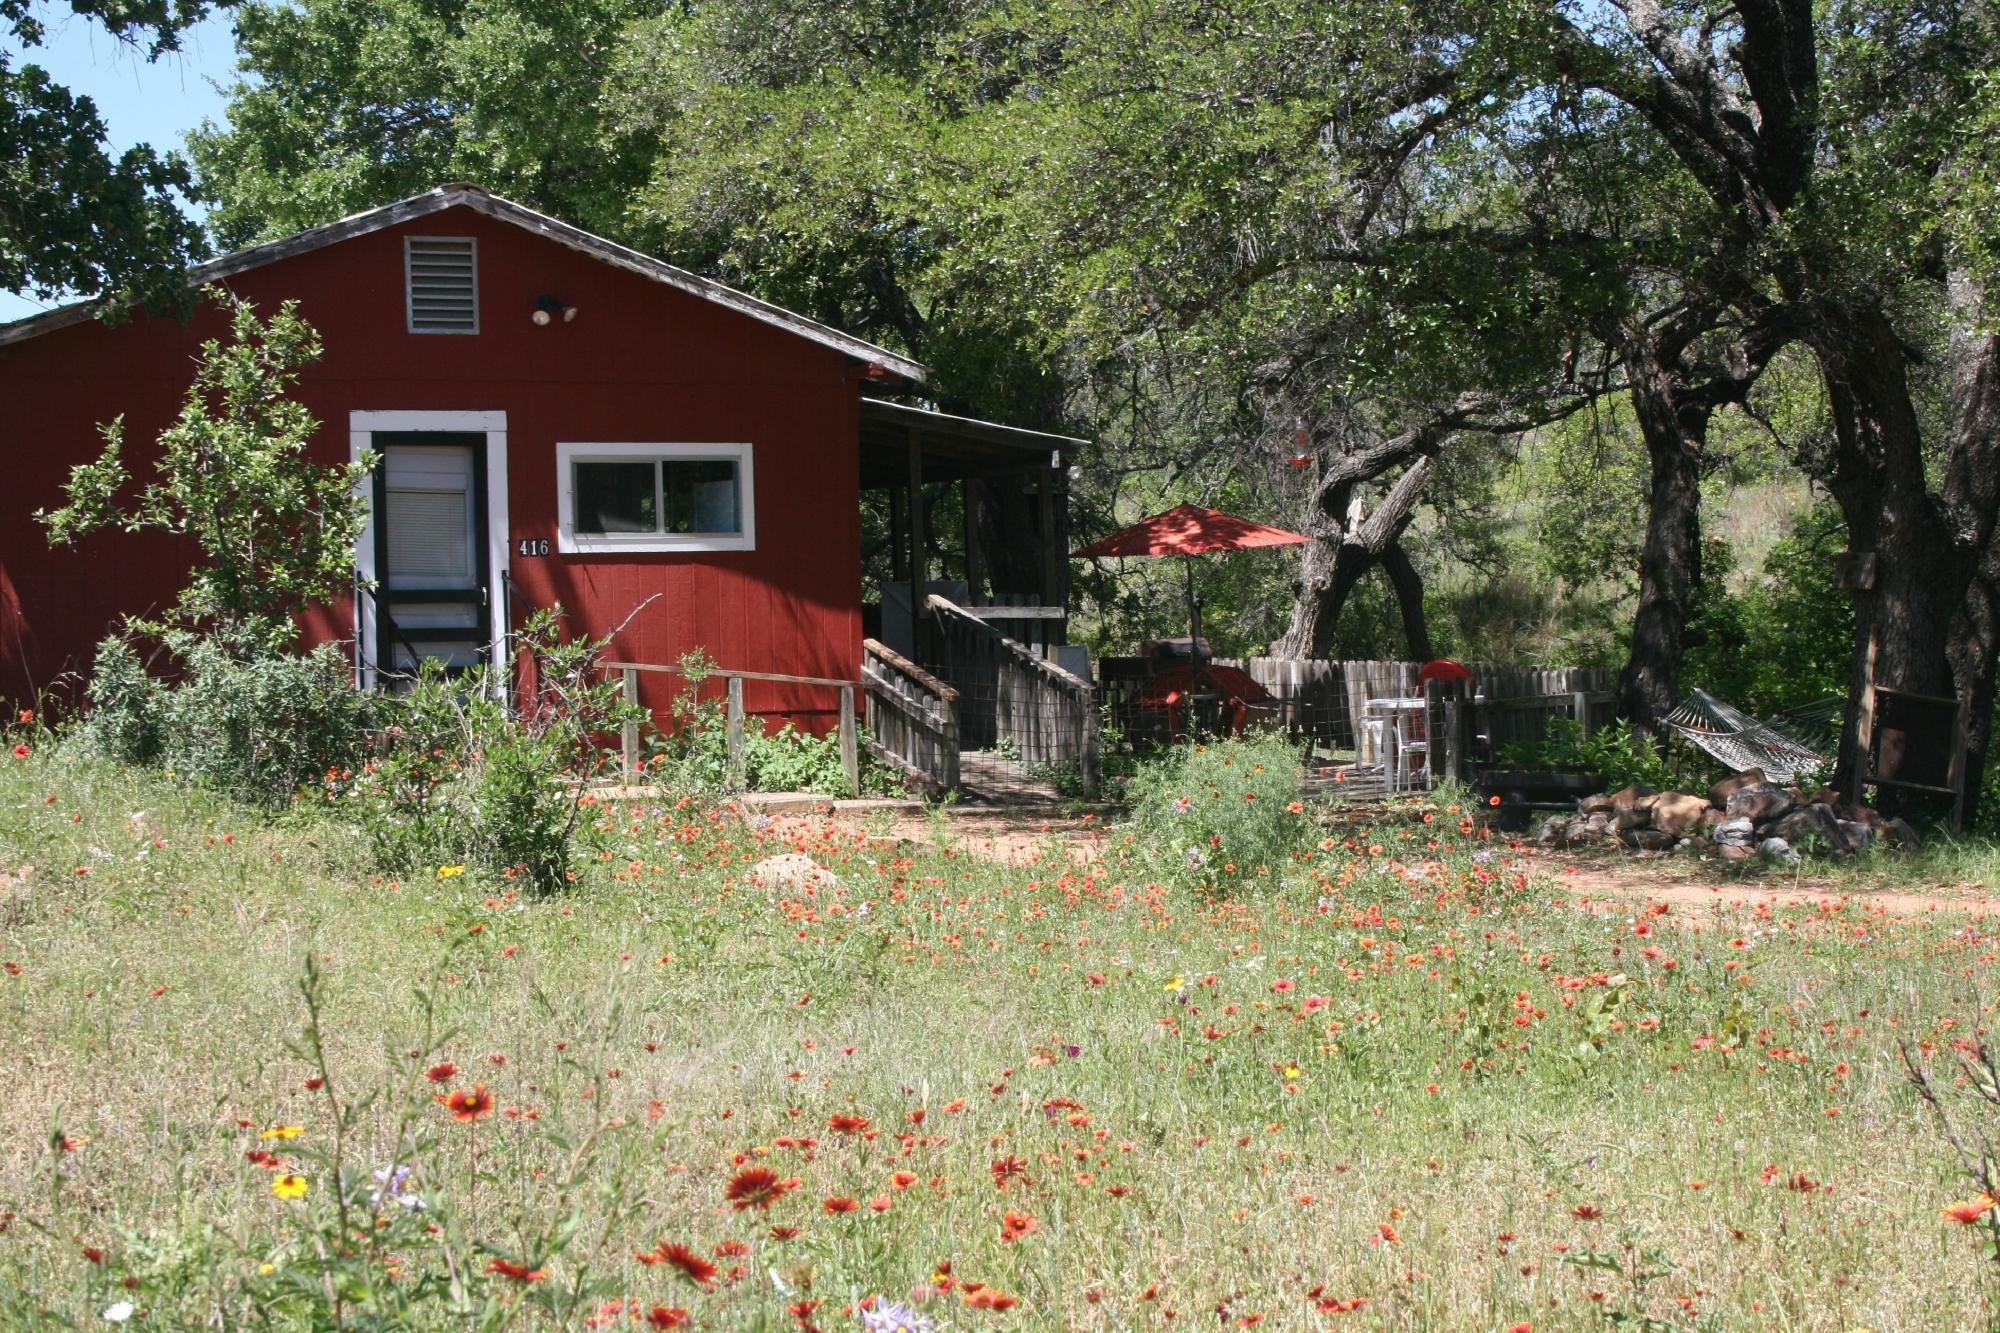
(966, 648)
(928, 464)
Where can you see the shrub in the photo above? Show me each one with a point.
(413, 796)
(125, 705)
(244, 719)
(1212, 814)
(1617, 757)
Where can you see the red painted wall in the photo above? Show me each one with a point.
(641, 362)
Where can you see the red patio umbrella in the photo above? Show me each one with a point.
(1191, 530)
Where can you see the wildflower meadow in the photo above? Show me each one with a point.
(1381, 1072)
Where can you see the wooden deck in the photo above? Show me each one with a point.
(986, 777)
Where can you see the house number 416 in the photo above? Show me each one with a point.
(532, 546)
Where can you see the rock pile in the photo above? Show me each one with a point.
(1742, 816)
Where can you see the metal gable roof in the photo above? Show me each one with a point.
(461, 195)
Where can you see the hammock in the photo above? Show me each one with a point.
(1740, 741)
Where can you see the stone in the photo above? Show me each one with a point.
(1712, 817)
(1555, 831)
(1597, 828)
(1816, 822)
(1599, 804)
(1734, 851)
(1859, 836)
(1647, 839)
(1862, 814)
(1719, 794)
(1824, 796)
(1638, 796)
(1676, 812)
(1906, 836)
(1734, 832)
(1758, 802)
(793, 871)
(1778, 852)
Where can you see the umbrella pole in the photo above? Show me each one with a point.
(1194, 620)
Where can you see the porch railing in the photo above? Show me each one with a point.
(850, 750)
(912, 717)
(1017, 699)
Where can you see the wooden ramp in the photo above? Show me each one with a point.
(986, 777)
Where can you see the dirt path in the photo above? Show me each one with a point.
(1592, 879)
(1606, 882)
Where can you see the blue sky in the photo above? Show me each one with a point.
(140, 103)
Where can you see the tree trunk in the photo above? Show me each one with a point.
(1409, 586)
(1670, 555)
(1346, 546)
(1972, 490)
(1922, 567)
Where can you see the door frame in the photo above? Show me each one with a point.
(362, 427)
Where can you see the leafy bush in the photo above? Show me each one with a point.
(414, 795)
(1213, 814)
(1616, 756)
(244, 719)
(123, 722)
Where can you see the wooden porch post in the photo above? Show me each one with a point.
(975, 559)
(919, 538)
(1052, 553)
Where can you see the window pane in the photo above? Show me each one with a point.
(616, 497)
(702, 496)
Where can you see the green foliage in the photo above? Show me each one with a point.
(1787, 639)
(1616, 756)
(342, 106)
(413, 796)
(242, 718)
(75, 220)
(1220, 815)
(276, 530)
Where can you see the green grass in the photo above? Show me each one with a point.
(667, 1022)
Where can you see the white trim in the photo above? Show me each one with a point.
(361, 428)
(570, 453)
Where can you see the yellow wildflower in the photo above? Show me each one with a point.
(290, 1187)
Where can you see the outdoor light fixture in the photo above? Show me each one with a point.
(550, 308)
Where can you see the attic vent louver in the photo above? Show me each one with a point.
(442, 281)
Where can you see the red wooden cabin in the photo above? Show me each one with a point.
(560, 420)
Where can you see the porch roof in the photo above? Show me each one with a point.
(952, 447)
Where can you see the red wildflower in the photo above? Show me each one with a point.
(756, 1187)
(442, 1073)
(1586, 1212)
(1007, 1169)
(986, 1298)
(668, 1316)
(1015, 1225)
(468, 1104)
(697, 1268)
(22, 751)
(848, 1124)
(518, 1272)
(840, 1203)
(1967, 1211)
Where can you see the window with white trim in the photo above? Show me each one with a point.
(655, 497)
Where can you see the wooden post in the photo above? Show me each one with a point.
(1580, 706)
(628, 736)
(1455, 706)
(1052, 552)
(850, 742)
(734, 734)
(975, 558)
(919, 543)
(948, 758)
